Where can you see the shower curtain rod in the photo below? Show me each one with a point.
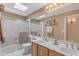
(8, 18)
(3, 17)
(15, 19)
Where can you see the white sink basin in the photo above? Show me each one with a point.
(65, 49)
(70, 51)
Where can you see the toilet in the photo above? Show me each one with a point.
(27, 48)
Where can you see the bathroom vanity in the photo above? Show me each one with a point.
(39, 50)
(48, 48)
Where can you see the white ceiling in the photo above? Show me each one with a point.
(61, 10)
(35, 6)
(32, 8)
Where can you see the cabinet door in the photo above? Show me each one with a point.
(53, 53)
(34, 49)
(42, 51)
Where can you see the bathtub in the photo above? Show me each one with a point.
(11, 50)
(16, 53)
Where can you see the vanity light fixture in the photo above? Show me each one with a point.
(50, 7)
(47, 8)
(20, 7)
(72, 20)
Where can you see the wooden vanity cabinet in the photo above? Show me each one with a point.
(34, 49)
(38, 50)
(42, 51)
(53, 53)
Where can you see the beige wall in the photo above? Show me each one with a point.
(60, 20)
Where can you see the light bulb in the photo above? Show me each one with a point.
(47, 7)
(73, 20)
(54, 4)
(69, 20)
(50, 5)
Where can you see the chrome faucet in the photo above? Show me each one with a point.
(67, 45)
(45, 39)
(72, 46)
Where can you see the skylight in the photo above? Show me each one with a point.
(20, 7)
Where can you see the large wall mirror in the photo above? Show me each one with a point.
(50, 27)
(71, 27)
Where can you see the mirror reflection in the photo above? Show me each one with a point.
(72, 28)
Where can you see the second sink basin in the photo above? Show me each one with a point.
(69, 51)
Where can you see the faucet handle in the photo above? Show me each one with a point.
(67, 45)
